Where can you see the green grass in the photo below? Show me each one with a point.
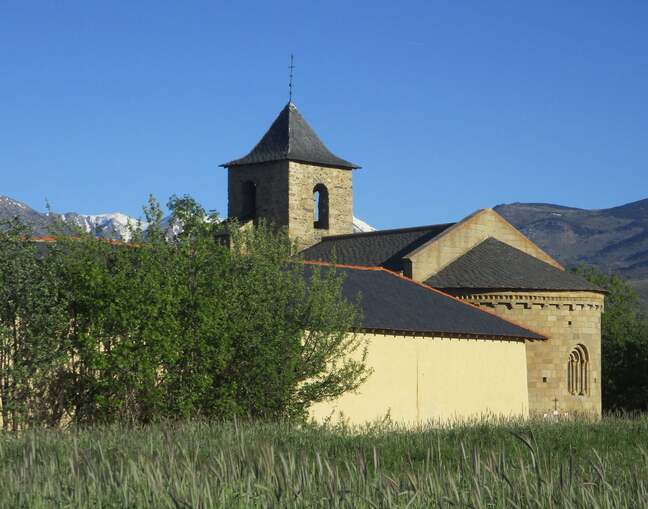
(197, 464)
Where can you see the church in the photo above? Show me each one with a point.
(461, 320)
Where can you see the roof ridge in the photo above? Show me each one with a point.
(447, 231)
(342, 265)
(440, 292)
(290, 106)
(385, 232)
(491, 265)
(498, 217)
(555, 263)
(52, 239)
(430, 288)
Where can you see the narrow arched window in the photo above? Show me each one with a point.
(321, 209)
(578, 371)
(248, 202)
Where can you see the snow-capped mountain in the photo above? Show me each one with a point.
(359, 226)
(113, 226)
(11, 209)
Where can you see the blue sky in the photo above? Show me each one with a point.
(448, 106)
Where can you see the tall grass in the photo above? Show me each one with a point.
(198, 464)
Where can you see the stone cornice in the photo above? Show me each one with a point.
(570, 300)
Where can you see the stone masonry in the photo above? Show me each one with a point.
(302, 179)
(568, 319)
(284, 196)
(271, 181)
(432, 257)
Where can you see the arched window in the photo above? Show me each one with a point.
(248, 202)
(578, 371)
(321, 198)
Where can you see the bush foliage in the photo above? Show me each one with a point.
(200, 324)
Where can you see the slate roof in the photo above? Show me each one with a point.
(291, 138)
(384, 248)
(495, 265)
(390, 302)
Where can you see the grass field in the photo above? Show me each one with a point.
(196, 464)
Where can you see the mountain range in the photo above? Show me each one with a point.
(614, 239)
(113, 225)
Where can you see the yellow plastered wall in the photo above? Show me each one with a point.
(434, 256)
(420, 379)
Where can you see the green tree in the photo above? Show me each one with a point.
(32, 321)
(122, 327)
(262, 337)
(211, 321)
(624, 330)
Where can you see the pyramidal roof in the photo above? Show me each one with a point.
(290, 138)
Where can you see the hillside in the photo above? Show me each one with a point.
(614, 239)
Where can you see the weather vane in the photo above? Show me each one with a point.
(290, 83)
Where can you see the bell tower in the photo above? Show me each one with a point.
(292, 180)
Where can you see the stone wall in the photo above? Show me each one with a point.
(462, 237)
(284, 196)
(271, 181)
(568, 319)
(302, 180)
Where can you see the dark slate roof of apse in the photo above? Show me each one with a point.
(494, 264)
(291, 138)
(384, 248)
(390, 302)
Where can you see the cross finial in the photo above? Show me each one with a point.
(290, 83)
